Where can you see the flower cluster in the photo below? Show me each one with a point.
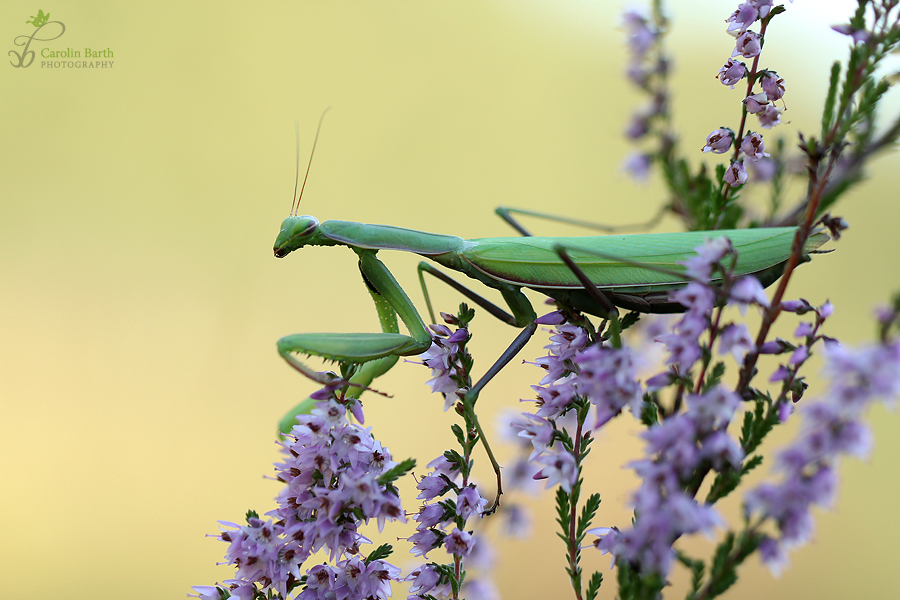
(831, 427)
(336, 476)
(443, 358)
(442, 523)
(686, 442)
(648, 69)
(748, 44)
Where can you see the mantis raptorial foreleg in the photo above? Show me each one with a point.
(364, 375)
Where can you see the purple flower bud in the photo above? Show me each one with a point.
(429, 516)
(732, 72)
(430, 487)
(756, 103)
(770, 117)
(460, 335)
(799, 355)
(658, 382)
(796, 306)
(780, 374)
(803, 330)
(773, 347)
(826, 310)
(860, 36)
(748, 44)
(772, 84)
(554, 318)
(753, 146)
(719, 141)
(736, 174)
(638, 127)
(785, 410)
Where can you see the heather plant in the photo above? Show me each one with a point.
(705, 410)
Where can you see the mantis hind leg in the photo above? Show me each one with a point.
(505, 213)
(479, 300)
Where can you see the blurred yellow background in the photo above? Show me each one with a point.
(141, 302)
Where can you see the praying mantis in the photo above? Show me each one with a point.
(593, 274)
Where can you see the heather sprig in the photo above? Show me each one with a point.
(336, 477)
(450, 497)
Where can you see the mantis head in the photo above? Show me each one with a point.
(296, 232)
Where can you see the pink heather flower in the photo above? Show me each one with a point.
(772, 84)
(560, 468)
(719, 141)
(637, 29)
(424, 579)
(763, 169)
(431, 486)
(748, 44)
(469, 502)
(753, 147)
(713, 409)
(459, 543)
(638, 127)
(608, 380)
(743, 17)
(712, 250)
(736, 174)
(695, 297)
(538, 430)
(772, 553)
(748, 290)
(770, 117)
(637, 165)
(732, 72)
(764, 6)
(756, 103)
(735, 339)
(424, 541)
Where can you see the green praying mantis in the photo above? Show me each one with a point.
(593, 274)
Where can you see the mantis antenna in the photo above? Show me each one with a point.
(295, 205)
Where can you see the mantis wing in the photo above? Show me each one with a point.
(533, 262)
